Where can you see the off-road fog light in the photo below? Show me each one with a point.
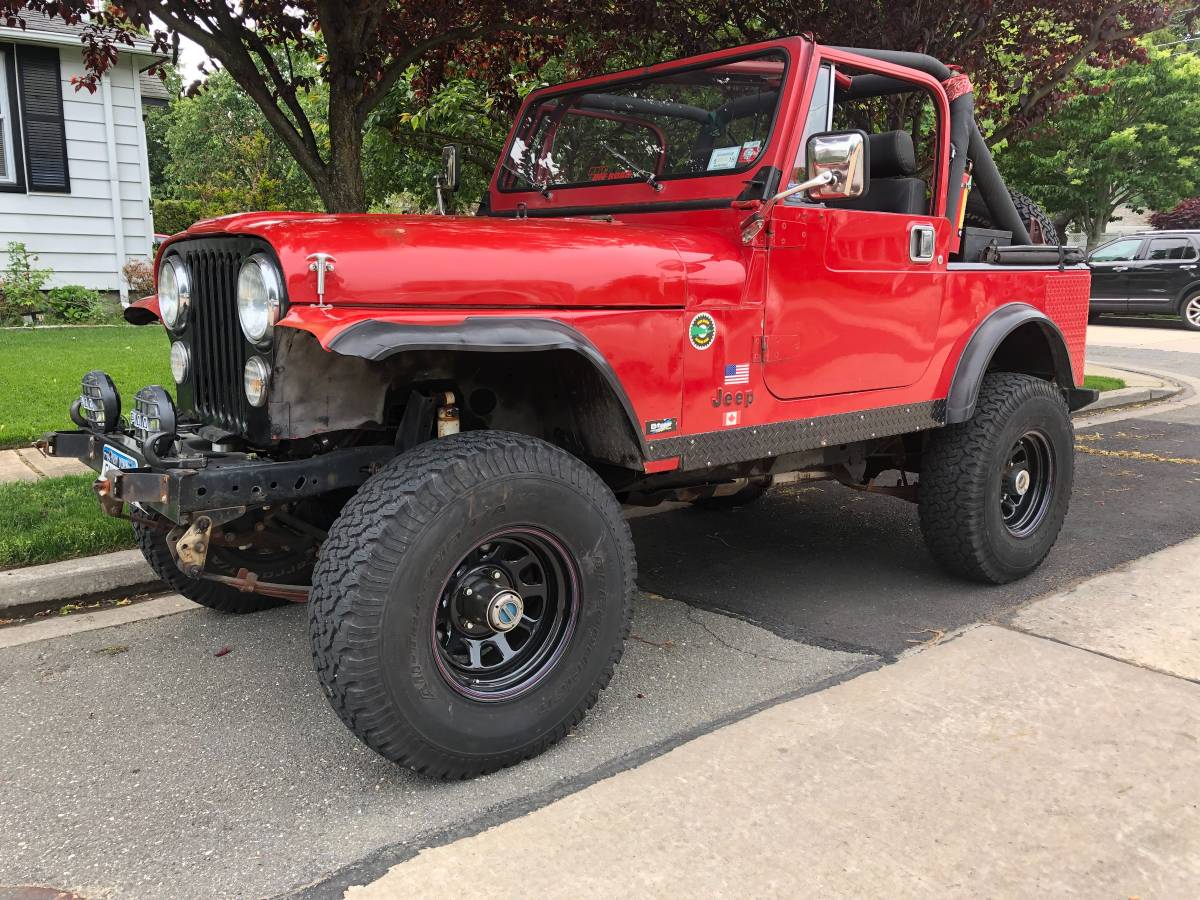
(99, 404)
(180, 362)
(153, 413)
(174, 292)
(259, 296)
(257, 379)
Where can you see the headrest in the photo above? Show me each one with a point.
(892, 155)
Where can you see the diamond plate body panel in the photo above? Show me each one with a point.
(754, 442)
(1067, 299)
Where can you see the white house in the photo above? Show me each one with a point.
(74, 175)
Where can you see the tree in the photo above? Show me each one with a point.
(1131, 137)
(1019, 54)
(365, 48)
(1184, 216)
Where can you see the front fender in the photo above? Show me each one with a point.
(375, 340)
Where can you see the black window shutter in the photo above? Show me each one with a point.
(42, 119)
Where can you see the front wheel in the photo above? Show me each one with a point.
(995, 489)
(471, 602)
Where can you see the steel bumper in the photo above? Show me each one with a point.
(222, 484)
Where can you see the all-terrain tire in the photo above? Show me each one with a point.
(386, 574)
(753, 491)
(152, 541)
(963, 472)
(977, 215)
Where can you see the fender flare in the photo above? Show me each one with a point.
(1190, 288)
(988, 336)
(377, 340)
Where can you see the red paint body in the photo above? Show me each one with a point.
(824, 306)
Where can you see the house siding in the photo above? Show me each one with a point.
(84, 236)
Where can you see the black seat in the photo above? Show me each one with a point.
(892, 188)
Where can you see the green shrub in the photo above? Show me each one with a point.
(77, 304)
(21, 285)
(173, 216)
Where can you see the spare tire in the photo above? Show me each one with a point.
(1040, 225)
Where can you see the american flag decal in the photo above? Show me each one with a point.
(737, 374)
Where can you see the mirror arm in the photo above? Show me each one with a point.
(756, 221)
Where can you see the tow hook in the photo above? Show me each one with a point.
(191, 550)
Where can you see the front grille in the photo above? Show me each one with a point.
(216, 336)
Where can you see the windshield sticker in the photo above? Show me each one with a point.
(703, 331)
(723, 158)
(749, 152)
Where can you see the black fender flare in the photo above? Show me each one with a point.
(377, 340)
(989, 335)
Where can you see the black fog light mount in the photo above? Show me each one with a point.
(153, 419)
(99, 405)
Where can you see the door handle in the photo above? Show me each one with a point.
(1189, 268)
(1120, 268)
(921, 242)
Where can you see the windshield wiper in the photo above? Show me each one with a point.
(543, 187)
(649, 177)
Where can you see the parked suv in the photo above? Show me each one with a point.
(1152, 272)
(686, 281)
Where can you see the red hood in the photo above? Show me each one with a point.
(488, 262)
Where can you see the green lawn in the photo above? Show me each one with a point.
(40, 370)
(1102, 383)
(55, 518)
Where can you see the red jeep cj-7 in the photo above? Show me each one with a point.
(686, 282)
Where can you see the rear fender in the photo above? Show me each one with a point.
(1020, 338)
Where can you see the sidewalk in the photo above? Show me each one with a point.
(1056, 753)
(29, 465)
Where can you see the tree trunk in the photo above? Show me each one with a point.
(343, 188)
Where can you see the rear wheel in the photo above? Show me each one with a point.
(471, 602)
(995, 489)
(284, 567)
(1189, 311)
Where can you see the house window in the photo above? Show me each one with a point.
(8, 162)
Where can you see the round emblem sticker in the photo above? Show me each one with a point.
(703, 331)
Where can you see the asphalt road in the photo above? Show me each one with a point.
(137, 763)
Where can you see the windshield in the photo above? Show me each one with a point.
(711, 120)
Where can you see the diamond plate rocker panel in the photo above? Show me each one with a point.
(714, 448)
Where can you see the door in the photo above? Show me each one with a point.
(1156, 280)
(849, 308)
(1110, 266)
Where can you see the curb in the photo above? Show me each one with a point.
(75, 578)
(1134, 396)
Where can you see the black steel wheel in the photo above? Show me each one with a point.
(1027, 485)
(471, 602)
(506, 614)
(995, 489)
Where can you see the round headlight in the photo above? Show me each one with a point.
(257, 379)
(174, 292)
(180, 360)
(259, 295)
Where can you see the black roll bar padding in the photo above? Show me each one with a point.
(962, 117)
(987, 177)
(993, 190)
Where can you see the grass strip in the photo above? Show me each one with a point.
(40, 370)
(53, 519)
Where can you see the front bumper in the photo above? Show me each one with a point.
(222, 485)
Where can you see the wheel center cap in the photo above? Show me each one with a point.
(1021, 482)
(504, 611)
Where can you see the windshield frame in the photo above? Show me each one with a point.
(597, 85)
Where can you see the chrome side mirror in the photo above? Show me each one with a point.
(447, 179)
(838, 167)
(845, 154)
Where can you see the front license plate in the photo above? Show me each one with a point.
(116, 459)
